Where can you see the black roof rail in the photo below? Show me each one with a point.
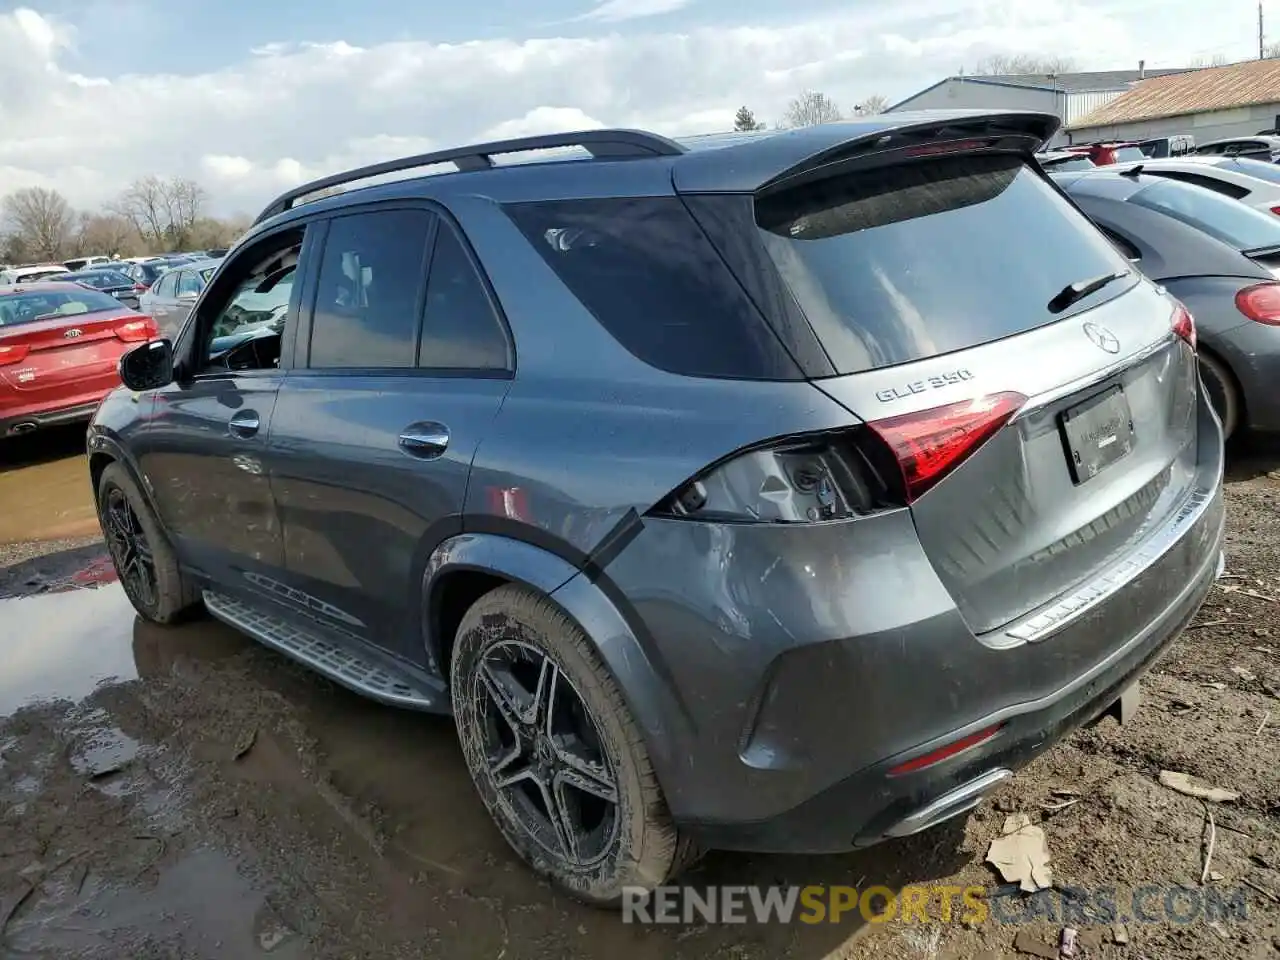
(601, 144)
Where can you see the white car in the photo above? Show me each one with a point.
(30, 273)
(1253, 182)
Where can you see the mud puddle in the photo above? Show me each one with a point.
(44, 487)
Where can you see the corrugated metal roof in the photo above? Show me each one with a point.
(1213, 88)
(1072, 82)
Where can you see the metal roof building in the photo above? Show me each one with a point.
(1069, 96)
(1239, 99)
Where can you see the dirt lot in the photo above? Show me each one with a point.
(185, 793)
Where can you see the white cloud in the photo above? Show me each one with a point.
(615, 11)
(291, 110)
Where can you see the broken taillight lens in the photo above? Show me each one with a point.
(931, 443)
(1184, 325)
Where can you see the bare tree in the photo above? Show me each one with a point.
(1217, 60)
(40, 221)
(810, 109)
(1270, 52)
(106, 233)
(871, 106)
(745, 119)
(1022, 64)
(162, 211)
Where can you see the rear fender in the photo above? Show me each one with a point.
(598, 608)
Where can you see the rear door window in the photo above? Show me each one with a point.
(1228, 220)
(367, 293)
(913, 260)
(167, 286)
(189, 283)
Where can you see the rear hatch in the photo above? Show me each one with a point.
(49, 357)
(1043, 416)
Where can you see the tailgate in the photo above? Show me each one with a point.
(1103, 449)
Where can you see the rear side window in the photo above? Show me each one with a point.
(646, 271)
(460, 330)
(366, 308)
(1229, 221)
(189, 282)
(167, 287)
(913, 260)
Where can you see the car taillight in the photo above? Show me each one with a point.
(929, 444)
(137, 330)
(799, 479)
(139, 288)
(13, 353)
(1261, 303)
(843, 474)
(1184, 325)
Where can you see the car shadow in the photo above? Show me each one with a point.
(42, 446)
(442, 846)
(1252, 456)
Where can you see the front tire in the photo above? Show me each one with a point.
(554, 751)
(144, 561)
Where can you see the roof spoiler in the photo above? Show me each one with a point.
(787, 159)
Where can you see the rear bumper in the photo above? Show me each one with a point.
(1252, 351)
(12, 425)
(810, 662)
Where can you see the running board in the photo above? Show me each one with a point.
(360, 671)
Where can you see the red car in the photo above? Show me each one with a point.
(1103, 154)
(60, 343)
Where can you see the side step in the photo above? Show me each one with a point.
(362, 671)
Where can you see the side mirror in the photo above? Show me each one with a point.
(148, 367)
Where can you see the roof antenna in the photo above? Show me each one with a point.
(1132, 171)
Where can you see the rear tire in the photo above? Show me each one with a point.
(144, 560)
(529, 688)
(1223, 392)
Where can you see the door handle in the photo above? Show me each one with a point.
(243, 424)
(426, 441)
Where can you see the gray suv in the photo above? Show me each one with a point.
(776, 492)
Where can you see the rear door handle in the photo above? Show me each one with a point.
(244, 424)
(426, 441)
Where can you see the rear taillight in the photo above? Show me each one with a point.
(1184, 325)
(842, 474)
(929, 444)
(13, 353)
(806, 479)
(137, 330)
(1261, 303)
(139, 288)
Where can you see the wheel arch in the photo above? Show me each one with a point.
(470, 564)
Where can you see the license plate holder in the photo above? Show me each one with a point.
(1097, 433)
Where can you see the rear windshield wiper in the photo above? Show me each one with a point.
(1075, 292)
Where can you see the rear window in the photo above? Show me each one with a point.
(1228, 220)
(1125, 154)
(29, 307)
(102, 279)
(1254, 168)
(914, 260)
(649, 275)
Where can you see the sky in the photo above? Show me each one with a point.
(250, 98)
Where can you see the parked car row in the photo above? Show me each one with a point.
(1263, 147)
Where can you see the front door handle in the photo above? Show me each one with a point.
(426, 441)
(244, 424)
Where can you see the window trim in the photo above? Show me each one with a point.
(440, 219)
(198, 320)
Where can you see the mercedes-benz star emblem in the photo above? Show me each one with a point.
(1102, 338)
(73, 332)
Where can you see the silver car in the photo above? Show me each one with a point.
(170, 298)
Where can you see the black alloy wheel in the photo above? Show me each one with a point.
(544, 756)
(130, 549)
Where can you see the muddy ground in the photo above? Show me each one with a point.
(184, 793)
